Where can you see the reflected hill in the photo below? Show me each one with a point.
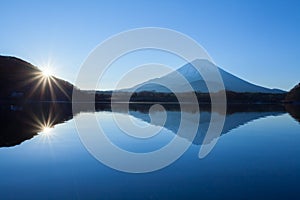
(294, 111)
(23, 122)
(236, 116)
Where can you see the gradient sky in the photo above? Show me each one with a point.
(255, 40)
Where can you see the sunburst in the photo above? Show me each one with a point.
(47, 72)
(44, 125)
(43, 80)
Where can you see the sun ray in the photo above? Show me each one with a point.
(45, 83)
(51, 89)
(60, 87)
(35, 87)
(47, 72)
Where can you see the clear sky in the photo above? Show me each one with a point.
(255, 40)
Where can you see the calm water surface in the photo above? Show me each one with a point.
(256, 157)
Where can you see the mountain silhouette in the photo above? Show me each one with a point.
(197, 83)
(293, 96)
(21, 81)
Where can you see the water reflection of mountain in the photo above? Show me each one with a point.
(235, 117)
(22, 122)
(294, 111)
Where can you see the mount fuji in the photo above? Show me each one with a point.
(195, 82)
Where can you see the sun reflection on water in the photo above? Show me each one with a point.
(46, 134)
(45, 130)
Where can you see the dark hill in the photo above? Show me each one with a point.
(21, 81)
(293, 96)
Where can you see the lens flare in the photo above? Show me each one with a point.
(46, 130)
(47, 72)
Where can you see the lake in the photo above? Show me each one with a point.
(256, 156)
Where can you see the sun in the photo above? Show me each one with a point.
(47, 72)
(46, 133)
(46, 130)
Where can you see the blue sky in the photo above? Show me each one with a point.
(255, 40)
